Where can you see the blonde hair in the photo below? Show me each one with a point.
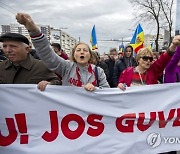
(73, 50)
(143, 52)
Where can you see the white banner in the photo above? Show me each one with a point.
(70, 120)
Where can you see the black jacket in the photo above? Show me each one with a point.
(110, 63)
(2, 56)
(104, 66)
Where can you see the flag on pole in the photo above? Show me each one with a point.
(150, 46)
(121, 48)
(137, 41)
(93, 39)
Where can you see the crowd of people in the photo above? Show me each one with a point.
(47, 64)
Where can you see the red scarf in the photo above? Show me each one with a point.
(90, 70)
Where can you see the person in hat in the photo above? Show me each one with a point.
(20, 67)
(77, 72)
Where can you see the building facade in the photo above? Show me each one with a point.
(66, 41)
(150, 40)
(14, 28)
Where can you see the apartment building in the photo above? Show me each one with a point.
(66, 41)
(54, 35)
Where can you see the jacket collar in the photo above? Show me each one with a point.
(27, 63)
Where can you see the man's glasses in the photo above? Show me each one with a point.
(146, 58)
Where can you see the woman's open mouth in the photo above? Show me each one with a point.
(82, 57)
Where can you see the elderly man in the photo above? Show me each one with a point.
(20, 67)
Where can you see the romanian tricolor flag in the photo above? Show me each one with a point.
(138, 39)
(93, 39)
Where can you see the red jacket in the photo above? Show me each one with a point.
(64, 56)
(153, 73)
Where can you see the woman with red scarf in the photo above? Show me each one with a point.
(77, 72)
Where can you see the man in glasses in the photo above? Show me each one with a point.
(147, 72)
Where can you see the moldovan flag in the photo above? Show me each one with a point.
(121, 48)
(150, 46)
(93, 39)
(137, 40)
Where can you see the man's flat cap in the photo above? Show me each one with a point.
(14, 37)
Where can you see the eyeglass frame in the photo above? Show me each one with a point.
(146, 58)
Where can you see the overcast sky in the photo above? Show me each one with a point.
(113, 18)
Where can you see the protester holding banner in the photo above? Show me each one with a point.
(147, 72)
(21, 67)
(77, 72)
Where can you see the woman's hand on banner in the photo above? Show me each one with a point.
(89, 87)
(122, 86)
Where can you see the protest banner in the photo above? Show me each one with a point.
(64, 120)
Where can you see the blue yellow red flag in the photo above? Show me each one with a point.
(121, 48)
(137, 41)
(93, 39)
(150, 46)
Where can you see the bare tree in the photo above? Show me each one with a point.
(166, 6)
(149, 10)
